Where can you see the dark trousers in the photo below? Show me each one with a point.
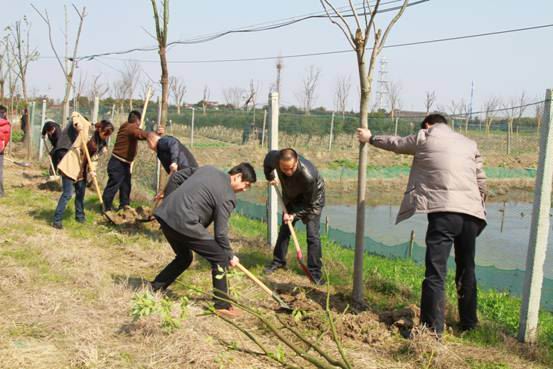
(119, 179)
(444, 230)
(314, 252)
(68, 187)
(208, 249)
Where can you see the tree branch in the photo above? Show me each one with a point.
(346, 30)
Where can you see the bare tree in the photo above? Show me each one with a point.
(11, 72)
(23, 54)
(129, 79)
(205, 99)
(308, 96)
(68, 65)
(79, 88)
(178, 89)
(119, 93)
(429, 100)
(539, 114)
(3, 67)
(393, 90)
(144, 88)
(234, 96)
(279, 67)
(97, 89)
(341, 95)
(490, 112)
(162, 23)
(360, 40)
(522, 105)
(252, 95)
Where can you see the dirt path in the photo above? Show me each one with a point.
(66, 298)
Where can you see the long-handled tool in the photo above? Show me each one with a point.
(54, 176)
(96, 185)
(283, 305)
(299, 254)
(19, 163)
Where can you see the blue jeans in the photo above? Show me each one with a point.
(69, 186)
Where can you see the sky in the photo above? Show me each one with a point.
(500, 66)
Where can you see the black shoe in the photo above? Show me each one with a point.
(81, 220)
(57, 225)
(273, 267)
(157, 286)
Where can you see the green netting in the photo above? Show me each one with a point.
(488, 277)
(345, 173)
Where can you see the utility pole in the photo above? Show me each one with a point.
(40, 139)
(192, 128)
(539, 230)
(330, 138)
(264, 127)
(272, 220)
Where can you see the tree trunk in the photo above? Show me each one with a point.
(357, 293)
(178, 109)
(66, 96)
(164, 85)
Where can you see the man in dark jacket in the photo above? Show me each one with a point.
(303, 192)
(122, 156)
(206, 197)
(175, 158)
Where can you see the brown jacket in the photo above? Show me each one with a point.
(127, 140)
(446, 174)
(73, 162)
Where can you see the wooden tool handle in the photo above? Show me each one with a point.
(85, 148)
(255, 279)
(290, 226)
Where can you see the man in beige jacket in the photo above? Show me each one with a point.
(446, 182)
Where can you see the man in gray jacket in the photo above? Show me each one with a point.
(208, 196)
(446, 182)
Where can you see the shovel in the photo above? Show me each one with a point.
(54, 176)
(299, 254)
(20, 163)
(96, 186)
(283, 305)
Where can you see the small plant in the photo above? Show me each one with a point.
(171, 313)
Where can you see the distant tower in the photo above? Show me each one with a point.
(382, 86)
(471, 100)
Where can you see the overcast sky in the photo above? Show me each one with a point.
(502, 66)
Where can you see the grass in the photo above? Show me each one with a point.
(87, 282)
(394, 283)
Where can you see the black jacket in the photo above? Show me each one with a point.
(170, 150)
(205, 198)
(304, 192)
(68, 135)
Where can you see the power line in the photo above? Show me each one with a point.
(211, 37)
(303, 55)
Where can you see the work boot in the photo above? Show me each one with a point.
(229, 312)
(273, 267)
(80, 220)
(57, 225)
